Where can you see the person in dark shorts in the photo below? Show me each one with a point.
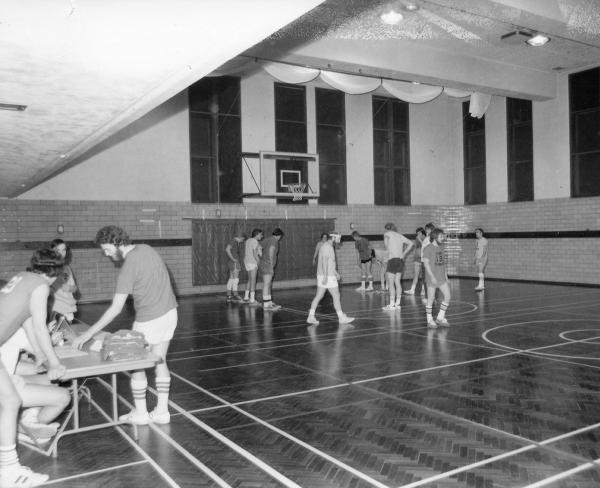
(235, 255)
(267, 265)
(398, 247)
(365, 259)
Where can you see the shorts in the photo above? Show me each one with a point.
(233, 266)
(160, 329)
(266, 269)
(332, 282)
(395, 265)
(250, 266)
(364, 261)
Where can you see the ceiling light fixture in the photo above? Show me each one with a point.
(519, 36)
(411, 7)
(538, 40)
(12, 106)
(391, 18)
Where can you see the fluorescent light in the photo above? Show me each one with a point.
(12, 106)
(538, 40)
(392, 17)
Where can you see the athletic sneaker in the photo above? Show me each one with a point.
(391, 306)
(312, 320)
(442, 322)
(136, 418)
(272, 308)
(253, 303)
(479, 288)
(237, 298)
(160, 417)
(38, 430)
(409, 292)
(229, 298)
(370, 288)
(431, 324)
(361, 288)
(344, 319)
(21, 476)
(23, 437)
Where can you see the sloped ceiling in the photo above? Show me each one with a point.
(87, 69)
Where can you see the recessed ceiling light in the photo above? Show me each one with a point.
(392, 17)
(538, 40)
(411, 7)
(12, 106)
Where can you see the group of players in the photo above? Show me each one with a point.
(429, 267)
(33, 400)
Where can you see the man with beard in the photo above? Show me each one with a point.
(145, 276)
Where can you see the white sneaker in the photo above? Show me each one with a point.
(38, 430)
(272, 308)
(442, 322)
(391, 306)
(431, 324)
(361, 288)
(312, 320)
(21, 476)
(479, 288)
(370, 288)
(409, 292)
(344, 319)
(160, 417)
(136, 418)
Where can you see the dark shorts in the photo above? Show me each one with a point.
(232, 265)
(368, 260)
(266, 269)
(395, 265)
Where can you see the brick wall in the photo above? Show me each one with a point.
(25, 224)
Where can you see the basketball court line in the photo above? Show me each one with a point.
(92, 473)
(564, 474)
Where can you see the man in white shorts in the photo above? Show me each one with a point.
(145, 276)
(327, 280)
(252, 255)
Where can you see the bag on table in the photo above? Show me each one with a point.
(124, 345)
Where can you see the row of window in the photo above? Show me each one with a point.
(215, 142)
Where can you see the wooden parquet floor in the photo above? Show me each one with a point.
(508, 396)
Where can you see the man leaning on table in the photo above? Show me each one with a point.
(23, 301)
(145, 276)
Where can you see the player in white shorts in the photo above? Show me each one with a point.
(327, 280)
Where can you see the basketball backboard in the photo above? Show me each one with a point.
(270, 173)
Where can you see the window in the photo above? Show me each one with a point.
(519, 127)
(215, 140)
(584, 100)
(290, 118)
(391, 155)
(474, 157)
(331, 145)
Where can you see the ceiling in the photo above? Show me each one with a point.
(86, 70)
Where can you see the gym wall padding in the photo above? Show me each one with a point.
(210, 237)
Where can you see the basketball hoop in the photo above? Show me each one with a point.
(297, 190)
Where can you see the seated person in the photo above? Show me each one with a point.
(42, 401)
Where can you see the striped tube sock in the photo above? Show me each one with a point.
(442, 312)
(162, 388)
(8, 456)
(138, 389)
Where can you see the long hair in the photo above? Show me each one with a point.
(57, 242)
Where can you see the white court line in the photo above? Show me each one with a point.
(92, 473)
(564, 474)
(499, 457)
(290, 437)
(135, 445)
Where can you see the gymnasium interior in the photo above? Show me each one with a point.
(184, 122)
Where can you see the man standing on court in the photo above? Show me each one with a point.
(268, 262)
(398, 247)
(327, 280)
(23, 302)
(235, 253)
(145, 276)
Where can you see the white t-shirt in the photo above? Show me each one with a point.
(395, 244)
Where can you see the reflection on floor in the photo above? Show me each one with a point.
(508, 396)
